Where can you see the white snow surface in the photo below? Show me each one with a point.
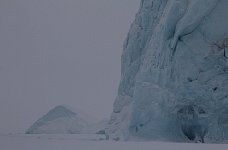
(91, 142)
(174, 76)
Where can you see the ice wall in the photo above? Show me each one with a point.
(174, 83)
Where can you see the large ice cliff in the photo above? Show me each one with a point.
(174, 76)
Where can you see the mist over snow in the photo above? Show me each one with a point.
(55, 52)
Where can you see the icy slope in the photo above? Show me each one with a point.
(174, 83)
(60, 120)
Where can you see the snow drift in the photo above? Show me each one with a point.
(174, 76)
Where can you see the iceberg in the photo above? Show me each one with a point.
(174, 74)
(63, 120)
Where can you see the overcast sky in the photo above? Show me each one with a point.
(60, 52)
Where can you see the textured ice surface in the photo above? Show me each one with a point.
(174, 83)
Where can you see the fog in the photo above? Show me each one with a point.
(55, 52)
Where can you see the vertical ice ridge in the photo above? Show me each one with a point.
(196, 11)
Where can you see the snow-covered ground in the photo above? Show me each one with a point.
(91, 142)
